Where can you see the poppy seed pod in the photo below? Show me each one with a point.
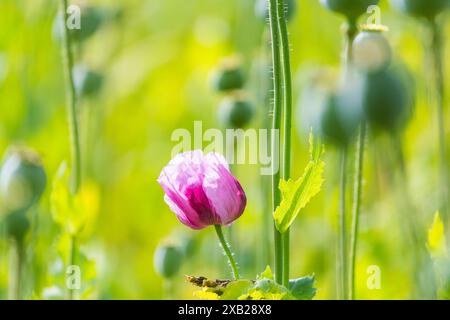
(87, 82)
(351, 9)
(371, 51)
(91, 19)
(230, 76)
(167, 260)
(388, 100)
(22, 180)
(201, 190)
(262, 9)
(421, 8)
(333, 111)
(235, 112)
(17, 225)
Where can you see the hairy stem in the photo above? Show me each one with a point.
(287, 112)
(227, 250)
(276, 125)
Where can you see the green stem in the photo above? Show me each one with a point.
(287, 132)
(342, 241)
(227, 250)
(278, 101)
(16, 270)
(438, 66)
(356, 206)
(72, 262)
(71, 102)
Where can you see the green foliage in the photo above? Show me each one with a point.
(296, 194)
(263, 288)
(76, 214)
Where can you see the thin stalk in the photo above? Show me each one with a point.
(73, 121)
(357, 192)
(72, 262)
(16, 270)
(227, 250)
(278, 101)
(342, 267)
(438, 67)
(71, 103)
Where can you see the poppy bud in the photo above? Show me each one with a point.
(371, 51)
(421, 8)
(351, 9)
(262, 9)
(91, 19)
(22, 180)
(230, 76)
(235, 112)
(167, 260)
(17, 225)
(387, 100)
(87, 82)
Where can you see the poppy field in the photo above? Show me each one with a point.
(225, 150)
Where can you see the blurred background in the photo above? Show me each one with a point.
(150, 66)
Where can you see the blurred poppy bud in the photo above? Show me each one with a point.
(17, 225)
(262, 9)
(421, 8)
(87, 82)
(167, 260)
(351, 9)
(229, 76)
(235, 112)
(371, 51)
(22, 180)
(333, 111)
(388, 100)
(91, 19)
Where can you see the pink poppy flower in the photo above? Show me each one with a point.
(201, 190)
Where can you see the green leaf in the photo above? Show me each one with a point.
(236, 289)
(295, 195)
(303, 288)
(266, 274)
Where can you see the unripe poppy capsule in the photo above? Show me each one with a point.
(371, 51)
(167, 260)
(421, 8)
(387, 100)
(235, 112)
(87, 82)
(22, 180)
(230, 76)
(351, 9)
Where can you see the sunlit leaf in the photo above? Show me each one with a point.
(436, 237)
(295, 195)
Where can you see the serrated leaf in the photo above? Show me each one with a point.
(436, 237)
(266, 274)
(303, 288)
(295, 195)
